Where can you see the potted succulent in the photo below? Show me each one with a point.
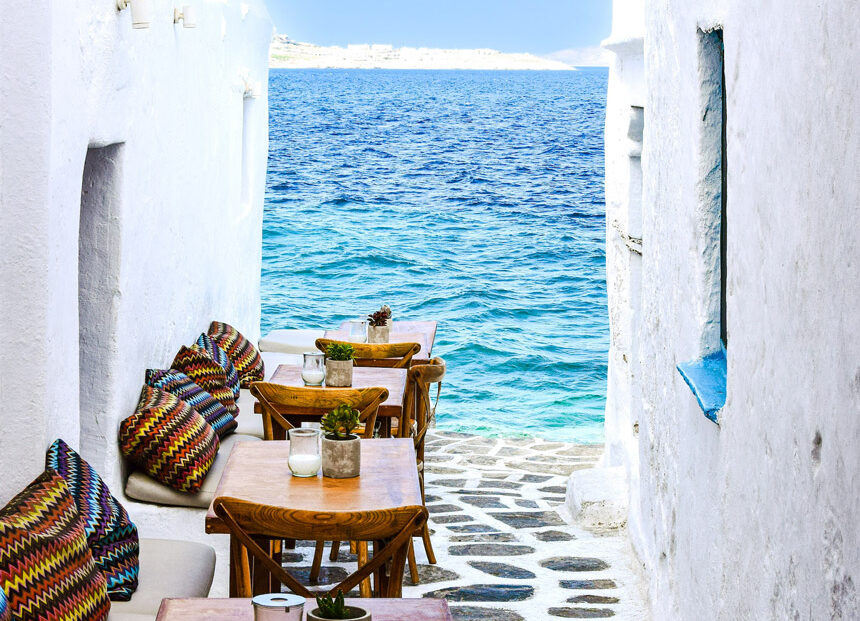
(338, 364)
(341, 449)
(378, 328)
(387, 309)
(328, 608)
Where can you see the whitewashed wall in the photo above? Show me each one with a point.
(187, 239)
(756, 518)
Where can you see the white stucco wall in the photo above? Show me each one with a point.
(755, 518)
(186, 238)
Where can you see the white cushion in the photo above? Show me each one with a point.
(140, 486)
(168, 568)
(250, 423)
(273, 359)
(291, 341)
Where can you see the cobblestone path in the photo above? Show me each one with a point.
(505, 546)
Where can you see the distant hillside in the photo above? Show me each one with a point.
(286, 53)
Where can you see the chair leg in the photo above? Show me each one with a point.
(363, 588)
(413, 565)
(353, 549)
(317, 564)
(428, 547)
(335, 548)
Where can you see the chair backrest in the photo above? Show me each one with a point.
(278, 402)
(248, 522)
(419, 408)
(396, 355)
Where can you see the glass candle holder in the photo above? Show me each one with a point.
(358, 331)
(278, 607)
(304, 459)
(313, 368)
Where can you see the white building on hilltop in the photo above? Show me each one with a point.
(733, 199)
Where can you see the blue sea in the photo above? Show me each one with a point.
(472, 198)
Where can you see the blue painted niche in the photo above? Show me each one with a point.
(706, 377)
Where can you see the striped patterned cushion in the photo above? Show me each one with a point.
(242, 352)
(220, 356)
(206, 373)
(112, 537)
(169, 440)
(180, 385)
(5, 613)
(46, 567)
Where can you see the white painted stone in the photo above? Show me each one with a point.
(756, 518)
(597, 497)
(183, 192)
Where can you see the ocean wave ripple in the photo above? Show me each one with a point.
(473, 198)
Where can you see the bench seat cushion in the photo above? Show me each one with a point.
(145, 489)
(168, 568)
(290, 341)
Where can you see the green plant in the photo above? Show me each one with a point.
(335, 608)
(378, 319)
(340, 351)
(340, 422)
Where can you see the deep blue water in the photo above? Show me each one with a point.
(472, 198)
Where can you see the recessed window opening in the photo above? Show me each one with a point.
(98, 290)
(706, 375)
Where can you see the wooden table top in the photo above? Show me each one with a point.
(421, 332)
(258, 472)
(362, 377)
(242, 610)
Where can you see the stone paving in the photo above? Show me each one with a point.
(505, 545)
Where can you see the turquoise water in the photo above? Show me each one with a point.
(472, 198)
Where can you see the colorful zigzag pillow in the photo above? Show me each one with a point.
(220, 356)
(5, 614)
(245, 357)
(183, 387)
(206, 373)
(169, 441)
(46, 566)
(111, 535)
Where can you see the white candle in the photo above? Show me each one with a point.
(305, 465)
(313, 377)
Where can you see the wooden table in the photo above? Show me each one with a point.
(421, 332)
(424, 609)
(257, 472)
(362, 377)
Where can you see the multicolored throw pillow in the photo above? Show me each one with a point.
(220, 356)
(5, 613)
(111, 535)
(169, 440)
(46, 567)
(246, 358)
(180, 385)
(206, 373)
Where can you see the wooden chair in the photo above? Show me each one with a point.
(419, 415)
(284, 406)
(393, 355)
(250, 524)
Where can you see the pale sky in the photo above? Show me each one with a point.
(536, 26)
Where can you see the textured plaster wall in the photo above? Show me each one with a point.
(182, 238)
(755, 518)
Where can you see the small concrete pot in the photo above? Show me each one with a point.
(359, 614)
(338, 373)
(341, 459)
(378, 334)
